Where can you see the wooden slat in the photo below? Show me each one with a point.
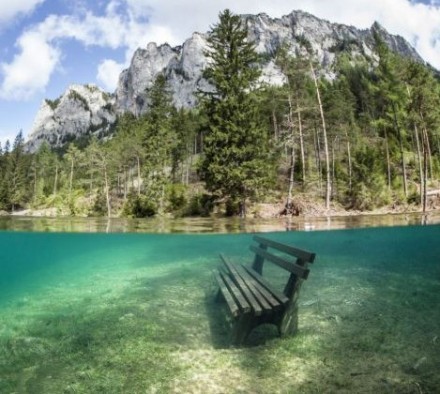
(238, 296)
(242, 286)
(272, 302)
(258, 296)
(299, 253)
(277, 294)
(287, 265)
(233, 307)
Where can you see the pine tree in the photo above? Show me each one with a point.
(391, 101)
(15, 181)
(424, 114)
(159, 140)
(235, 163)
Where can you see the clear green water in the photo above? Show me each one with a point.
(129, 313)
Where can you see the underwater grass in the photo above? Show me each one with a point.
(369, 321)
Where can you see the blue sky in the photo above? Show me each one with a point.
(47, 45)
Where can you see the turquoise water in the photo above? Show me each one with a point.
(86, 312)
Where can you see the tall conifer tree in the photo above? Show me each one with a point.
(235, 164)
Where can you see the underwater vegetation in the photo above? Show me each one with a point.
(135, 313)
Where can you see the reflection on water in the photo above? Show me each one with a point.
(211, 225)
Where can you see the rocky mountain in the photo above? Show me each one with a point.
(81, 110)
(86, 109)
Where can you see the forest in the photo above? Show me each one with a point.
(368, 137)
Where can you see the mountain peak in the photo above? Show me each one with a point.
(83, 110)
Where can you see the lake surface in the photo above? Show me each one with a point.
(210, 225)
(83, 311)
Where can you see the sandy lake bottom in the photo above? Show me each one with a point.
(135, 313)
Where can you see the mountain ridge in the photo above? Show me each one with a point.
(94, 111)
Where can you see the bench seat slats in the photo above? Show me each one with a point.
(266, 299)
(278, 294)
(252, 299)
(238, 296)
(242, 285)
(287, 265)
(267, 308)
(301, 254)
(233, 307)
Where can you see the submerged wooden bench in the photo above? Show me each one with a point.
(252, 300)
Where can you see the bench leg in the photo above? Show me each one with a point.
(289, 322)
(219, 297)
(241, 329)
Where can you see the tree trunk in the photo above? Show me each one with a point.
(428, 145)
(318, 158)
(350, 165)
(55, 182)
(426, 157)
(291, 179)
(35, 183)
(425, 169)
(71, 178)
(402, 155)
(328, 189)
(138, 160)
(334, 183)
(301, 143)
(125, 182)
(387, 152)
(107, 191)
(275, 124)
(419, 156)
(419, 162)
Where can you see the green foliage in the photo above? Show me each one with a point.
(74, 95)
(231, 166)
(369, 189)
(176, 196)
(200, 204)
(139, 206)
(383, 133)
(53, 104)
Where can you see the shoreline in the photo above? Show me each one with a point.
(257, 211)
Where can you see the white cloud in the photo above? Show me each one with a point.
(10, 9)
(40, 47)
(418, 23)
(30, 70)
(130, 24)
(108, 73)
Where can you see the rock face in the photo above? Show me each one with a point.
(71, 116)
(80, 111)
(182, 66)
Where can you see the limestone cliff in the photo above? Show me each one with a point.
(86, 109)
(81, 110)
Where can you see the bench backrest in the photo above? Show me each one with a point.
(293, 260)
